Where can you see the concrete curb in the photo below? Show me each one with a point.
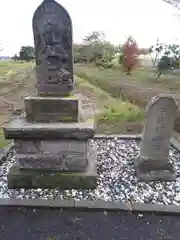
(119, 136)
(96, 205)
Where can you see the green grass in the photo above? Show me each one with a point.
(83, 84)
(11, 63)
(120, 112)
(3, 141)
(113, 110)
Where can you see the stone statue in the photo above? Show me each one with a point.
(53, 49)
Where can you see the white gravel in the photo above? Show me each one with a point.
(117, 180)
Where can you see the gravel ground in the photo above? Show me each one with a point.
(117, 180)
(44, 224)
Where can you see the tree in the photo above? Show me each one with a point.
(95, 36)
(174, 3)
(94, 49)
(26, 53)
(155, 51)
(15, 57)
(170, 59)
(130, 53)
(163, 65)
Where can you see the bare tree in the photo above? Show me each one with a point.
(174, 3)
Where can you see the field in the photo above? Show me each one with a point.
(118, 100)
(137, 88)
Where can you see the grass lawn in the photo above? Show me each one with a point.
(12, 64)
(112, 113)
(3, 141)
(138, 88)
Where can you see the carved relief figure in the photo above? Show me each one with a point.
(54, 56)
(53, 44)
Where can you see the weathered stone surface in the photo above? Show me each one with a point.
(52, 30)
(19, 128)
(51, 109)
(51, 137)
(29, 179)
(68, 156)
(153, 161)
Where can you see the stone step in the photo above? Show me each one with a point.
(20, 128)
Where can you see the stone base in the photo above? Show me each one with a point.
(52, 109)
(154, 170)
(33, 179)
(58, 155)
(156, 176)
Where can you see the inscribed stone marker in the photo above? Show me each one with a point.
(153, 161)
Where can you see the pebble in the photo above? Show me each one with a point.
(116, 178)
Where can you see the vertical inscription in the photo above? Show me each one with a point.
(160, 127)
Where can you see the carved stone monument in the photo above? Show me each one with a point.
(153, 162)
(52, 143)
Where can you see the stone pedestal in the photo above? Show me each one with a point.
(53, 149)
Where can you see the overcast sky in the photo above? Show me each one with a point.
(144, 19)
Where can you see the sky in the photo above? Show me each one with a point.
(145, 20)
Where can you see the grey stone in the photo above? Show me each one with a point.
(27, 147)
(51, 137)
(150, 207)
(52, 109)
(103, 205)
(29, 179)
(19, 128)
(153, 161)
(67, 156)
(50, 203)
(52, 28)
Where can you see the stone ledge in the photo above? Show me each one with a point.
(51, 109)
(19, 128)
(119, 136)
(159, 208)
(88, 205)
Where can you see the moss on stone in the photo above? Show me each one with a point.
(37, 179)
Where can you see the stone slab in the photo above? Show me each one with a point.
(52, 28)
(62, 156)
(33, 180)
(29, 179)
(19, 128)
(51, 109)
(153, 161)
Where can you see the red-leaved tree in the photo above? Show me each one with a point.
(130, 55)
